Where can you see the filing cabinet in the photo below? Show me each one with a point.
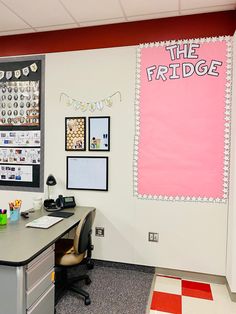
(39, 283)
(29, 289)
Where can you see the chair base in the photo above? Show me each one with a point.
(63, 284)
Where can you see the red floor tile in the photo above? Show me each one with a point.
(196, 290)
(166, 302)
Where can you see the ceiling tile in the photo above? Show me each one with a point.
(91, 10)
(40, 13)
(141, 7)
(9, 21)
(153, 16)
(103, 22)
(208, 9)
(193, 4)
(17, 31)
(56, 27)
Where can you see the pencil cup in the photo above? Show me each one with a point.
(3, 219)
(15, 214)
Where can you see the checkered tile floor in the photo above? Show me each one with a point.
(180, 296)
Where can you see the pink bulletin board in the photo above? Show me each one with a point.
(182, 141)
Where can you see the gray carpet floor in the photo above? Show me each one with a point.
(112, 291)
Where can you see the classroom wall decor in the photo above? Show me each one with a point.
(97, 105)
(99, 133)
(75, 133)
(183, 107)
(87, 173)
(21, 123)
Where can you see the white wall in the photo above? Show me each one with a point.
(231, 247)
(192, 235)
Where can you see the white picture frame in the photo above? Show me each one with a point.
(87, 173)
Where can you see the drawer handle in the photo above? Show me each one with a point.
(53, 276)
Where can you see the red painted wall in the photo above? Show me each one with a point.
(124, 34)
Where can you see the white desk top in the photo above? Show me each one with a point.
(19, 245)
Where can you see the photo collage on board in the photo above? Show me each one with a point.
(20, 135)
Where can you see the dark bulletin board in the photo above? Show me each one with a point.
(22, 123)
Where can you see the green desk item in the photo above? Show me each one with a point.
(3, 219)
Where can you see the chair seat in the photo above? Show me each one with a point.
(65, 253)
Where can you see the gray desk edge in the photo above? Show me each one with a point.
(52, 241)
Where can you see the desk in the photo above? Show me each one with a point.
(23, 250)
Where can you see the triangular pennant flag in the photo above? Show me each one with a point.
(109, 102)
(92, 106)
(2, 73)
(77, 105)
(33, 67)
(99, 105)
(8, 75)
(17, 73)
(25, 71)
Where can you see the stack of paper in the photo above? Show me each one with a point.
(44, 222)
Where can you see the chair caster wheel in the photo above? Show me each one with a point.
(88, 281)
(90, 265)
(87, 301)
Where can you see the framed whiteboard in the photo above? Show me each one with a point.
(87, 173)
(99, 133)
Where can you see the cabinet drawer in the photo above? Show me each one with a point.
(40, 257)
(39, 270)
(45, 305)
(39, 288)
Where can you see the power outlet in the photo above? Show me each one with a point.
(99, 231)
(153, 237)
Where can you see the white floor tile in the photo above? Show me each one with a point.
(169, 285)
(220, 292)
(198, 306)
(222, 299)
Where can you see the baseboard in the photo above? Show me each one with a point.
(231, 294)
(191, 275)
(145, 269)
(164, 271)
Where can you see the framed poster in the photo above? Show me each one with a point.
(22, 123)
(99, 133)
(75, 133)
(87, 173)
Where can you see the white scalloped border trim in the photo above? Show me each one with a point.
(228, 99)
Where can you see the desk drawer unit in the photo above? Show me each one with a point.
(39, 288)
(45, 304)
(39, 282)
(35, 271)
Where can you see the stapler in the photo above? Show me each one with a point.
(24, 214)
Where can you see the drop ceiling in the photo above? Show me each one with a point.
(29, 16)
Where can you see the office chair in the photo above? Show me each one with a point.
(69, 252)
